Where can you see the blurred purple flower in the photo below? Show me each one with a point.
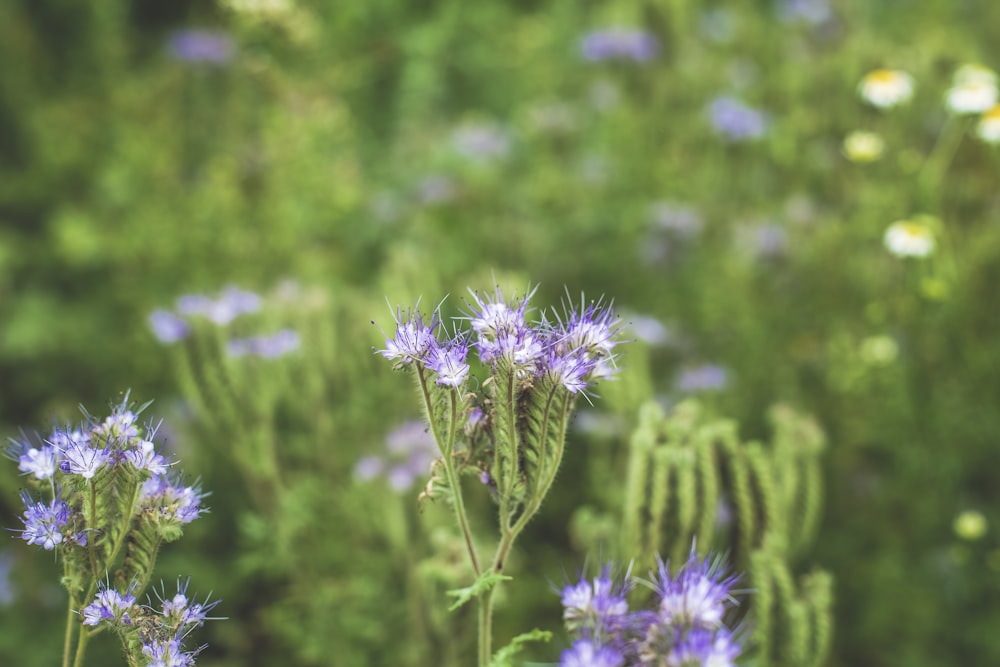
(167, 327)
(736, 121)
(813, 12)
(481, 142)
(703, 378)
(410, 450)
(200, 46)
(682, 221)
(649, 330)
(232, 303)
(266, 347)
(435, 189)
(619, 44)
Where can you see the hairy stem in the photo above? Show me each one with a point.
(70, 629)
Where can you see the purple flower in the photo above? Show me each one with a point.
(448, 361)
(368, 467)
(708, 377)
(571, 370)
(119, 427)
(171, 501)
(619, 44)
(167, 653)
(735, 121)
(267, 347)
(413, 339)
(167, 327)
(592, 329)
(232, 303)
(491, 314)
(180, 612)
(481, 142)
(410, 450)
(109, 605)
(586, 653)
(697, 596)
(144, 457)
(200, 46)
(596, 607)
(83, 460)
(40, 462)
(43, 522)
(700, 646)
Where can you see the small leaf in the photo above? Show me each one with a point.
(505, 656)
(485, 582)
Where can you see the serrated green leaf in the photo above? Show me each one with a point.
(485, 582)
(505, 656)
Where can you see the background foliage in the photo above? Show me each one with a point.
(345, 152)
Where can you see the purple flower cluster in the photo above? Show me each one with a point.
(736, 121)
(574, 350)
(172, 326)
(686, 627)
(44, 522)
(481, 142)
(91, 447)
(169, 501)
(267, 347)
(161, 632)
(619, 44)
(410, 450)
(73, 456)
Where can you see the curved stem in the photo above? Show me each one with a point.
(447, 446)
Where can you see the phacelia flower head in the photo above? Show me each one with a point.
(973, 90)
(413, 339)
(110, 605)
(491, 315)
(83, 460)
(588, 653)
(144, 457)
(40, 462)
(886, 88)
(168, 653)
(619, 44)
(700, 647)
(43, 522)
(909, 238)
(183, 613)
(736, 121)
(697, 596)
(447, 360)
(596, 607)
(170, 500)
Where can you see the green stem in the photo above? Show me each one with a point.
(81, 649)
(934, 168)
(127, 519)
(447, 446)
(70, 629)
(509, 535)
